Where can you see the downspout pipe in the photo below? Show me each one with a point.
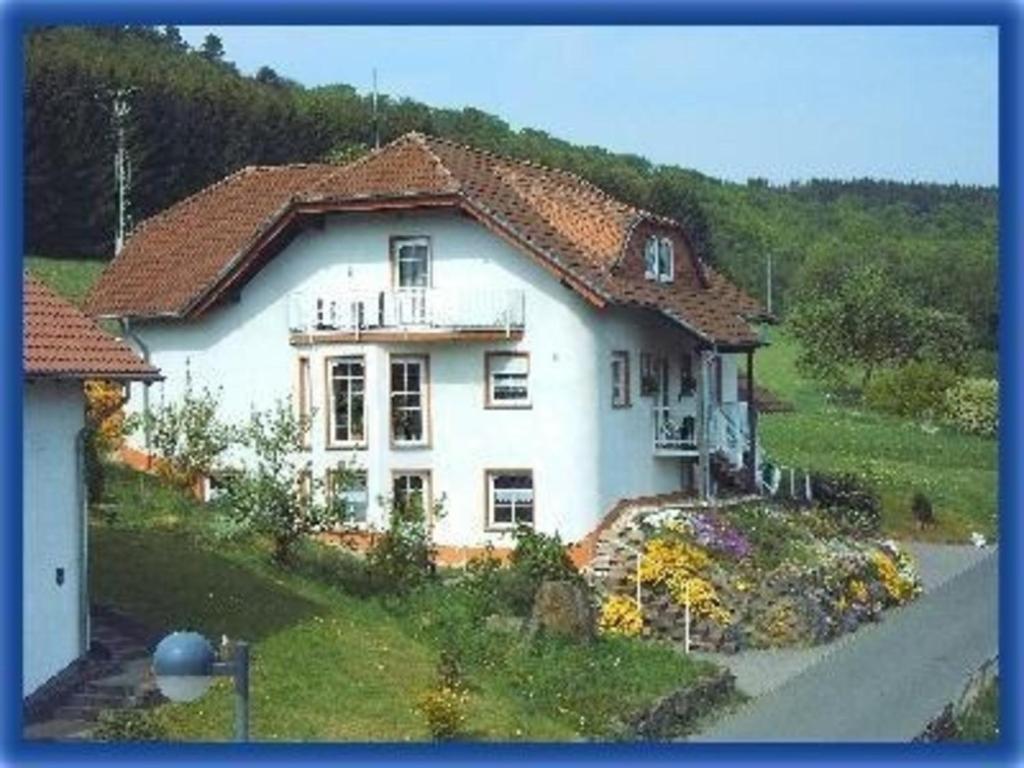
(126, 329)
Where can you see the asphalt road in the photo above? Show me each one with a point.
(888, 682)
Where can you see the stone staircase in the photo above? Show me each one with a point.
(119, 678)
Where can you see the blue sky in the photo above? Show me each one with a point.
(907, 103)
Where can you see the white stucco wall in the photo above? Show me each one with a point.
(584, 455)
(53, 530)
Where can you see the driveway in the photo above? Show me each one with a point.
(884, 682)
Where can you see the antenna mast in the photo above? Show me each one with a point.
(376, 127)
(122, 166)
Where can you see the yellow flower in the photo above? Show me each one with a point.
(621, 616)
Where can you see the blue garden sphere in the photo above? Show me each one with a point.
(183, 665)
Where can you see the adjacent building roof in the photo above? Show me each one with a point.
(61, 342)
(177, 263)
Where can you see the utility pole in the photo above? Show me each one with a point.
(768, 281)
(376, 126)
(122, 166)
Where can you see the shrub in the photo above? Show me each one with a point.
(850, 502)
(620, 615)
(541, 557)
(129, 725)
(444, 709)
(402, 558)
(972, 405)
(917, 389)
(335, 566)
(104, 413)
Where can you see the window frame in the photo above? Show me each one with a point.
(620, 359)
(428, 488)
(395, 244)
(426, 421)
(489, 400)
(303, 386)
(489, 522)
(332, 443)
(329, 490)
(651, 268)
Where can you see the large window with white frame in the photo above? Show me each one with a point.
(409, 413)
(508, 379)
(509, 498)
(659, 259)
(348, 489)
(347, 395)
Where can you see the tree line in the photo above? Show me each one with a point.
(195, 118)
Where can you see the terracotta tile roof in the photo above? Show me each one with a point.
(179, 257)
(61, 342)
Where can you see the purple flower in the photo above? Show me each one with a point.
(715, 533)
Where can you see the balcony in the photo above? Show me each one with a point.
(425, 312)
(675, 432)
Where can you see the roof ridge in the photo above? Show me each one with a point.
(363, 159)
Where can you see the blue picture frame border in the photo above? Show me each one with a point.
(18, 16)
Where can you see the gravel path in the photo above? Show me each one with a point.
(885, 681)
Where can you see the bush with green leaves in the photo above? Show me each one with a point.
(972, 405)
(402, 557)
(850, 502)
(129, 725)
(273, 490)
(186, 435)
(539, 557)
(917, 389)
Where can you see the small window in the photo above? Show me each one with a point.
(411, 490)
(348, 488)
(659, 259)
(620, 379)
(408, 400)
(412, 261)
(510, 498)
(666, 261)
(508, 380)
(347, 400)
(648, 383)
(651, 258)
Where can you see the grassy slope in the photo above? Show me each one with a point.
(69, 277)
(957, 471)
(326, 665)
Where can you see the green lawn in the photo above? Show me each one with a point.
(328, 665)
(957, 471)
(71, 278)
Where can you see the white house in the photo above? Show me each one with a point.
(62, 348)
(457, 323)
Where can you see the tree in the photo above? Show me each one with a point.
(172, 36)
(865, 321)
(186, 436)
(212, 48)
(274, 492)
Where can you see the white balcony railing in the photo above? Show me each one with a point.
(674, 432)
(407, 308)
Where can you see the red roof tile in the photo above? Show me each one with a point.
(61, 342)
(177, 260)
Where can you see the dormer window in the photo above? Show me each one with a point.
(659, 260)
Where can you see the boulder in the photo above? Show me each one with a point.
(563, 608)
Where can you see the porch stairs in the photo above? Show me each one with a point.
(119, 679)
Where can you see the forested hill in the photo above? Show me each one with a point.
(195, 118)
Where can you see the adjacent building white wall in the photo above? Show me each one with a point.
(584, 455)
(54, 527)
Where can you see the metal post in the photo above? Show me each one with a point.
(686, 618)
(240, 662)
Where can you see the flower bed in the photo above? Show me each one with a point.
(756, 576)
